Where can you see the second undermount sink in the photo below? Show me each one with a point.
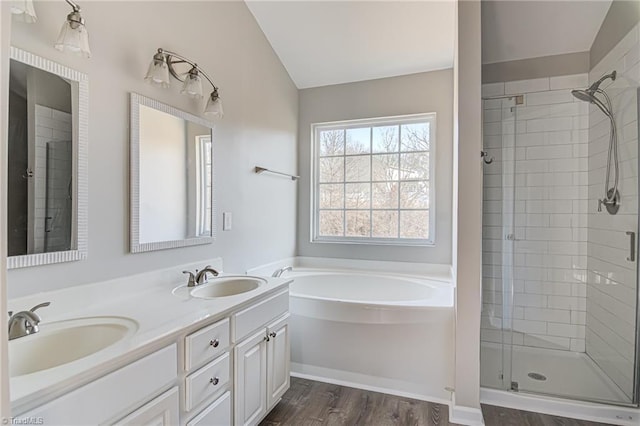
(227, 286)
(62, 342)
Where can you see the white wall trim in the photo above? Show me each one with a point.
(376, 384)
(608, 414)
(464, 415)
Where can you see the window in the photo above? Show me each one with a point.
(204, 185)
(373, 180)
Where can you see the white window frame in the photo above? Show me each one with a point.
(315, 184)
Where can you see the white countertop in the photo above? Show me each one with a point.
(160, 315)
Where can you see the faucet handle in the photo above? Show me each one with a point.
(192, 278)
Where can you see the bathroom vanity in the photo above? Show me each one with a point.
(186, 360)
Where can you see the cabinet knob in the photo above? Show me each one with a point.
(266, 338)
(214, 343)
(272, 334)
(214, 381)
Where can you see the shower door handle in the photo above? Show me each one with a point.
(632, 246)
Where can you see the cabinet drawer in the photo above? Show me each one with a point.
(98, 401)
(206, 344)
(162, 411)
(259, 314)
(216, 414)
(206, 382)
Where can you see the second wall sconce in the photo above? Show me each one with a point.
(73, 36)
(163, 65)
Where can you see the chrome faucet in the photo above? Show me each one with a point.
(24, 323)
(281, 271)
(200, 277)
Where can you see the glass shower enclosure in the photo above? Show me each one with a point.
(560, 282)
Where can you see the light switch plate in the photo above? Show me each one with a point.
(226, 221)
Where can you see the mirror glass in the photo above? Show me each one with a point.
(172, 177)
(43, 154)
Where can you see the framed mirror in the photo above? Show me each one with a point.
(47, 173)
(171, 177)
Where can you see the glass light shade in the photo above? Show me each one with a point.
(192, 86)
(24, 11)
(74, 40)
(158, 73)
(214, 107)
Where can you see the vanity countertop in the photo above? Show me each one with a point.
(160, 314)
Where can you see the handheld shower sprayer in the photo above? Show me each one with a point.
(611, 199)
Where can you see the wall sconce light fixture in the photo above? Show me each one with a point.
(164, 64)
(73, 36)
(24, 11)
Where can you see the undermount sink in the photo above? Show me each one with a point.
(227, 286)
(62, 342)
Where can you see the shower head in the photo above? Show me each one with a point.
(589, 95)
(585, 95)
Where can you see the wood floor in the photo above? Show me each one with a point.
(309, 403)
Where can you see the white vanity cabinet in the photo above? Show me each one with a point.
(262, 359)
(230, 370)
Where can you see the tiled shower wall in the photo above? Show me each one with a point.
(611, 291)
(546, 173)
(53, 128)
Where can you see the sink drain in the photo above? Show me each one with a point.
(537, 376)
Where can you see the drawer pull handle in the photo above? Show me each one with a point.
(214, 381)
(214, 343)
(272, 334)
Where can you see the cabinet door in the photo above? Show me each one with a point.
(250, 397)
(162, 411)
(278, 360)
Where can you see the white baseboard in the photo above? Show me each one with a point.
(462, 415)
(602, 413)
(360, 381)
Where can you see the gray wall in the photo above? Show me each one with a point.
(545, 66)
(259, 128)
(415, 93)
(620, 19)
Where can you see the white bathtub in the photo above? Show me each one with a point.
(361, 297)
(381, 331)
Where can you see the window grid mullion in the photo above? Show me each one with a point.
(399, 175)
(371, 182)
(344, 183)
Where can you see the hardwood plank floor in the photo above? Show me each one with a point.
(310, 403)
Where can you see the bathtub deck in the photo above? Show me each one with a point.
(314, 403)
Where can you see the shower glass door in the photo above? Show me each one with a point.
(499, 138)
(560, 285)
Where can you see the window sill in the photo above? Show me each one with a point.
(342, 241)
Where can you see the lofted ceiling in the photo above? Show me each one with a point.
(513, 30)
(331, 42)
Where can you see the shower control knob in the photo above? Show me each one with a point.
(214, 381)
(214, 343)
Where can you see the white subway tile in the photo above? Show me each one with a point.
(526, 86)
(492, 89)
(575, 81)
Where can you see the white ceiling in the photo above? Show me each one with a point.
(513, 30)
(332, 42)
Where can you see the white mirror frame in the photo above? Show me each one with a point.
(134, 159)
(80, 152)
